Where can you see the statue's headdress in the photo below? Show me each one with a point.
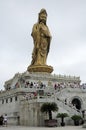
(43, 11)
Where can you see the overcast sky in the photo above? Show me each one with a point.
(67, 23)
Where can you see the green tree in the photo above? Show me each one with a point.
(62, 116)
(48, 108)
(76, 119)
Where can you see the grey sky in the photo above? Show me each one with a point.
(67, 24)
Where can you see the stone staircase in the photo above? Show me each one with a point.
(65, 107)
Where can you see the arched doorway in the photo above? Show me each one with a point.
(77, 103)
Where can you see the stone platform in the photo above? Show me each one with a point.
(40, 68)
(41, 128)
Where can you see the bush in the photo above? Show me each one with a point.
(76, 119)
(62, 116)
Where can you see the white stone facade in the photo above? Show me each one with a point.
(24, 93)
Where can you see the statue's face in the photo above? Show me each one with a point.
(43, 18)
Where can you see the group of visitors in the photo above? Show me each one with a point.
(83, 86)
(3, 120)
(28, 84)
(59, 86)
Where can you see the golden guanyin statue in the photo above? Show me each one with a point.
(41, 39)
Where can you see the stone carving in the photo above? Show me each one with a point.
(41, 39)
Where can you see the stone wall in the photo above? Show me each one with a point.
(30, 114)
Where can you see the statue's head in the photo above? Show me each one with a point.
(42, 16)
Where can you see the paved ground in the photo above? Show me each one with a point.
(42, 128)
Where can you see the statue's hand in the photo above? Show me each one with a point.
(41, 26)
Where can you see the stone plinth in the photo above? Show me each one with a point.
(40, 68)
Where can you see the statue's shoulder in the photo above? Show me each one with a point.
(35, 25)
(34, 29)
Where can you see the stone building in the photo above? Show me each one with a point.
(24, 94)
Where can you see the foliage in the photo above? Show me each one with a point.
(76, 117)
(62, 115)
(48, 108)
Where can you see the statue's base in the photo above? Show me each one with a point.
(40, 68)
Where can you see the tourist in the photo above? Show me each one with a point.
(5, 120)
(1, 120)
(65, 101)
